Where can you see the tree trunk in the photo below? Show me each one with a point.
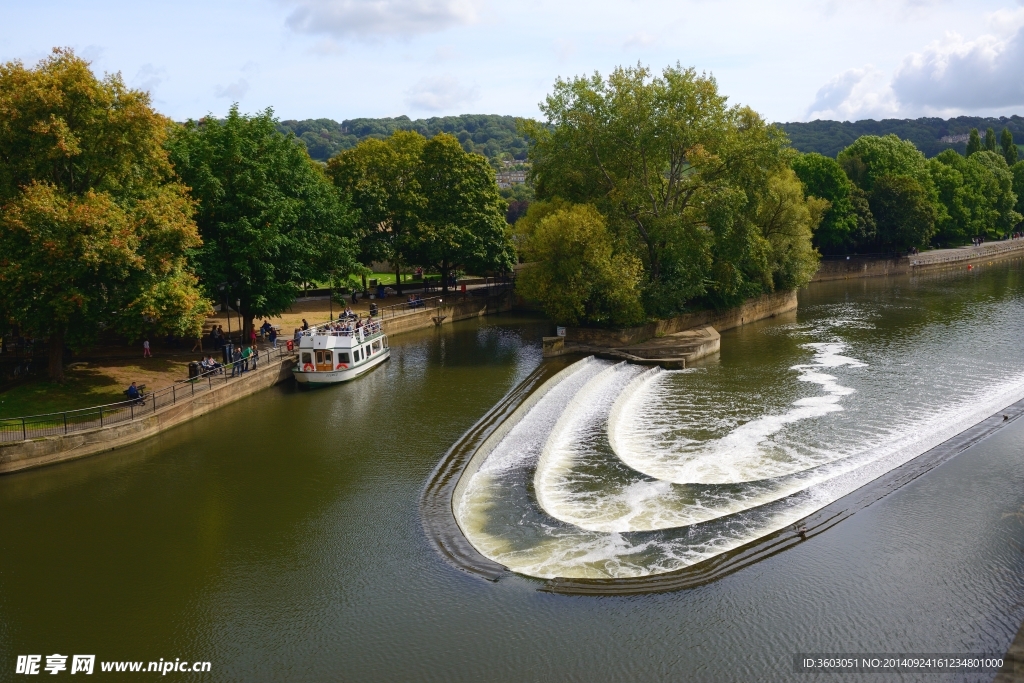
(398, 277)
(57, 355)
(444, 277)
(364, 282)
(247, 329)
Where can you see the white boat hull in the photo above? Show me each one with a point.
(336, 376)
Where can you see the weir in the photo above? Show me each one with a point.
(604, 477)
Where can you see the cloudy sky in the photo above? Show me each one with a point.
(339, 59)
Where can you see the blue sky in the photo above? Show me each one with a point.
(341, 59)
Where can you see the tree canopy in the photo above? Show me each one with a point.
(382, 178)
(269, 216)
(426, 202)
(823, 177)
(94, 227)
(681, 178)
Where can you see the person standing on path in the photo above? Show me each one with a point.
(255, 356)
(245, 358)
(145, 349)
(236, 362)
(273, 338)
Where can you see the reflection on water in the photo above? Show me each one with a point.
(621, 472)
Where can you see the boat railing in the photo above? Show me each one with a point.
(368, 329)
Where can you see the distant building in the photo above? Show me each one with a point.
(509, 178)
(953, 139)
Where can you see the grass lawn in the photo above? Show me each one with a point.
(384, 279)
(91, 385)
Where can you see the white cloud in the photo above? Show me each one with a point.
(440, 94)
(954, 74)
(369, 19)
(949, 77)
(234, 91)
(854, 94)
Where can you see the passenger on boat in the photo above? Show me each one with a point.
(305, 325)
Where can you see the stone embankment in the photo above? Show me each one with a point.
(871, 266)
(673, 342)
(46, 450)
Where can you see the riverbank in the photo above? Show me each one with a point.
(850, 267)
(37, 448)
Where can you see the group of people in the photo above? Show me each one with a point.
(240, 359)
(415, 301)
(978, 241)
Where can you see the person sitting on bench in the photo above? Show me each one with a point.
(134, 394)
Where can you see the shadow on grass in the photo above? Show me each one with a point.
(87, 386)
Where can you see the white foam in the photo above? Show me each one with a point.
(738, 456)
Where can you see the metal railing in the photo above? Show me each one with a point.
(71, 421)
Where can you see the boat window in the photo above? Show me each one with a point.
(319, 357)
(327, 357)
(376, 346)
(366, 350)
(342, 357)
(356, 355)
(307, 358)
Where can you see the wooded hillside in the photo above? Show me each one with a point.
(830, 137)
(487, 134)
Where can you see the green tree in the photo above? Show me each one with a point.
(990, 140)
(974, 142)
(823, 177)
(269, 216)
(977, 194)
(787, 220)
(866, 232)
(576, 274)
(463, 223)
(904, 212)
(1018, 185)
(998, 189)
(1009, 149)
(382, 178)
(677, 174)
(93, 226)
(870, 157)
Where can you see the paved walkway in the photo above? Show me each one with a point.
(967, 253)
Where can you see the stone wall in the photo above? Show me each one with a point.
(23, 455)
(867, 266)
(459, 308)
(860, 266)
(766, 306)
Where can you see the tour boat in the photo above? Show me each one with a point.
(338, 352)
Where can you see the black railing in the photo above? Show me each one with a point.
(70, 421)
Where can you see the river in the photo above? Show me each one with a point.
(280, 537)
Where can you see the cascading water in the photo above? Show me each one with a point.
(616, 470)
